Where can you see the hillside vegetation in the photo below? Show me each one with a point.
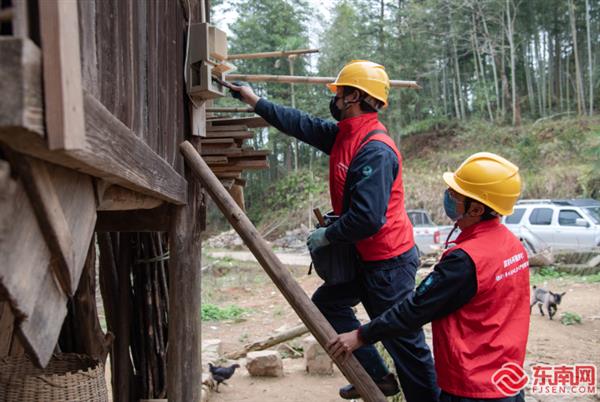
(557, 159)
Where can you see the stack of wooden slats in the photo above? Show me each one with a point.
(224, 151)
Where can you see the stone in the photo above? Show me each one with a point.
(316, 360)
(211, 350)
(265, 363)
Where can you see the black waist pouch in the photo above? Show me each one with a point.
(335, 263)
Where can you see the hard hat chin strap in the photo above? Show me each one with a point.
(372, 102)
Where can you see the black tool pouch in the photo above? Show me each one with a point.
(335, 263)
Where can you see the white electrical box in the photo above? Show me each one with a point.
(206, 59)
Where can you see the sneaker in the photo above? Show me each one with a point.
(388, 385)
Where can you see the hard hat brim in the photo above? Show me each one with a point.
(449, 179)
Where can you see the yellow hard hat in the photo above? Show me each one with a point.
(489, 179)
(364, 75)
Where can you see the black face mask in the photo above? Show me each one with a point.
(335, 111)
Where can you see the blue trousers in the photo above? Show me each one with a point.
(379, 286)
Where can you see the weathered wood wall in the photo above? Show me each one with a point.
(132, 55)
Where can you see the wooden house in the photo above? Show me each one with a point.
(93, 106)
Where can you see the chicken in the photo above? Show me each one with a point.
(220, 374)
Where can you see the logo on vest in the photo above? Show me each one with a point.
(510, 379)
(511, 267)
(367, 170)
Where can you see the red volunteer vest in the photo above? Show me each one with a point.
(492, 328)
(396, 235)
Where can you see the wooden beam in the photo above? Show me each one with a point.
(82, 332)
(142, 220)
(262, 55)
(295, 79)
(116, 198)
(239, 127)
(251, 153)
(226, 151)
(216, 160)
(27, 271)
(111, 150)
(243, 135)
(63, 95)
(279, 274)
(50, 217)
(215, 141)
(229, 175)
(184, 365)
(241, 164)
(39, 332)
(21, 78)
(250, 122)
(229, 110)
(184, 357)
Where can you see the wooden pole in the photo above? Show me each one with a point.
(282, 53)
(283, 279)
(268, 342)
(296, 79)
(229, 110)
(184, 367)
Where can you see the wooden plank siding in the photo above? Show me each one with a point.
(139, 52)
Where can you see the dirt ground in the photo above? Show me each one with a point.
(245, 285)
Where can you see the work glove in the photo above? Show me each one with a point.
(236, 94)
(317, 239)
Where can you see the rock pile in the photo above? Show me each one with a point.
(293, 239)
(229, 239)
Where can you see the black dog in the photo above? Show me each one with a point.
(546, 299)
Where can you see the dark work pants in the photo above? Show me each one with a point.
(379, 286)
(445, 397)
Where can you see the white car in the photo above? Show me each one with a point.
(426, 233)
(563, 225)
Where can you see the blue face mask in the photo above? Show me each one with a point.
(450, 206)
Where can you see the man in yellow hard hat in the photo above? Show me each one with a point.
(367, 193)
(477, 296)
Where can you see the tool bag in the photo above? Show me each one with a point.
(335, 263)
(338, 263)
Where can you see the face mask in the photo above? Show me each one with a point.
(335, 111)
(450, 207)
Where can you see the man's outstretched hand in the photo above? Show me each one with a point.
(344, 344)
(243, 93)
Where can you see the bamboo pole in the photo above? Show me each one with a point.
(296, 79)
(229, 110)
(281, 53)
(283, 279)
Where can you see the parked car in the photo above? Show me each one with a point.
(426, 233)
(563, 225)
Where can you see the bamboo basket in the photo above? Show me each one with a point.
(68, 377)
